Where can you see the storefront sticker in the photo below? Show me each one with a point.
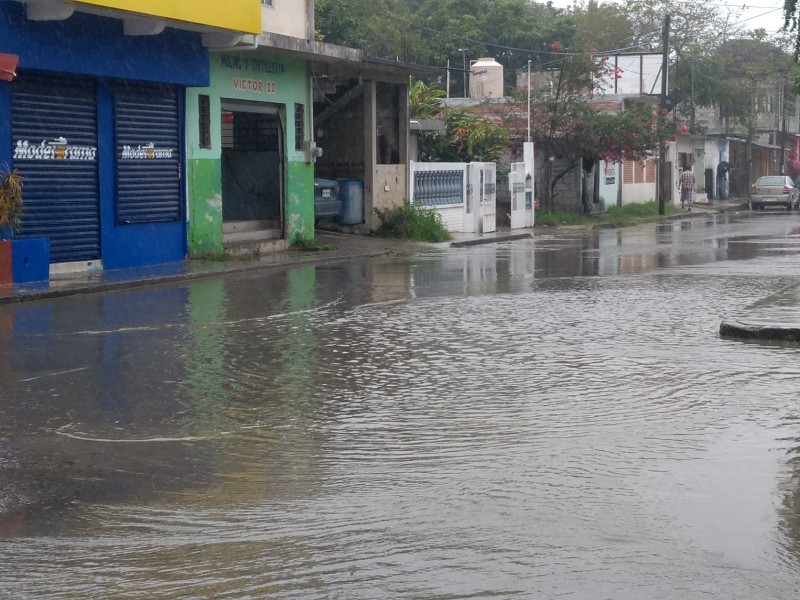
(610, 174)
(56, 149)
(146, 152)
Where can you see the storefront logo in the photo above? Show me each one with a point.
(146, 152)
(56, 149)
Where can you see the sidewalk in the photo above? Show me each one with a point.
(331, 246)
(774, 318)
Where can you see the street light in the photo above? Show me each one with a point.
(464, 70)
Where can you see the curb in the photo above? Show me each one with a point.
(776, 333)
(491, 240)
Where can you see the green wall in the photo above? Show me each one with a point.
(255, 76)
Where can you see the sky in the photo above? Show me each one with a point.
(766, 14)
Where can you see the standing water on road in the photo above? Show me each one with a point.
(544, 418)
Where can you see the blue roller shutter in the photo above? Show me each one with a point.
(147, 123)
(54, 130)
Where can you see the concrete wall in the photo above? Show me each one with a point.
(257, 77)
(286, 17)
(391, 189)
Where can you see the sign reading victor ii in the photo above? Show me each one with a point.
(252, 70)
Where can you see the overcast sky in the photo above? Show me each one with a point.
(766, 14)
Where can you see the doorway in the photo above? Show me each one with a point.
(252, 171)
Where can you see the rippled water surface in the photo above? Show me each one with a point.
(548, 418)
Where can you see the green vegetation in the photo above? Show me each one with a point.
(306, 244)
(616, 216)
(412, 223)
(11, 204)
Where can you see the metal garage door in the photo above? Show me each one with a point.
(147, 122)
(54, 129)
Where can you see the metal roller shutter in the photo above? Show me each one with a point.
(54, 129)
(147, 123)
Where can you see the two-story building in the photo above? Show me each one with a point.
(93, 118)
(280, 108)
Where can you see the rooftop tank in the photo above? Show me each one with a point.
(485, 78)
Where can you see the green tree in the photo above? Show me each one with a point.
(567, 126)
(468, 137)
(424, 101)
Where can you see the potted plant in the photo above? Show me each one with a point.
(21, 260)
(11, 203)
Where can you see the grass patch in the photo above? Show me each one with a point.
(312, 245)
(616, 216)
(409, 222)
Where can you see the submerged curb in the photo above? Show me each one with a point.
(490, 240)
(778, 333)
(775, 318)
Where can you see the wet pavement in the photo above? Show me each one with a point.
(331, 246)
(546, 417)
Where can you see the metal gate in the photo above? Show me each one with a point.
(516, 186)
(147, 124)
(481, 206)
(489, 198)
(54, 131)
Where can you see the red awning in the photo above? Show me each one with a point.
(8, 66)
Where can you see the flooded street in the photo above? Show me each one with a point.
(553, 417)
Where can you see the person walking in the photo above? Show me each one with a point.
(686, 184)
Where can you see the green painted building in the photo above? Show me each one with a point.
(250, 172)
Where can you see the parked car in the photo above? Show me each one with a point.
(327, 203)
(774, 190)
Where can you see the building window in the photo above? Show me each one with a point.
(267, 3)
(299, 126)
(204, 116)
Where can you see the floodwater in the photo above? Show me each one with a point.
(547, 418)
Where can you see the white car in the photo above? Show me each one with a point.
(774, 190)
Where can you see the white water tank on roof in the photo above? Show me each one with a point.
(485, 78)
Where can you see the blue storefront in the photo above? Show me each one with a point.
(94, 122)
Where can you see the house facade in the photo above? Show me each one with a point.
(280, 109)
(94, 120)
(250, 159)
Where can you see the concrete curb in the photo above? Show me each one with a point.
(490, 240)
(731, 328)
(775, 318)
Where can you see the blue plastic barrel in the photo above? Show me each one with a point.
(351, 194)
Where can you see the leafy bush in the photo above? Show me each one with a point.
(11, 204)
(412, 223)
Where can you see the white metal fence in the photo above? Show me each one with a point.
(464, 194)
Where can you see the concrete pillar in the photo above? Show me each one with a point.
(370, 151)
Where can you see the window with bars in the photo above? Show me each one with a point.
(250, 132)
(267, 3)
(639, 172)
(299, 126)
(204, 118)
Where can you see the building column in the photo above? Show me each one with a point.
(370, 151)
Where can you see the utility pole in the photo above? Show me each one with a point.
(663, 176)
(528, 139)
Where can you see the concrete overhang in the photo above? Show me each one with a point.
(339, 61)
(427, 125)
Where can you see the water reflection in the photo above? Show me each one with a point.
(507, 420)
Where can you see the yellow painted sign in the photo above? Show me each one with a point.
(234, 15)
